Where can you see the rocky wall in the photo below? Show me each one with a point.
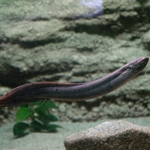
(40, 41)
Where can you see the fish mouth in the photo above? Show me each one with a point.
(143, 61)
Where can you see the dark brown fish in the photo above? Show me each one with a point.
(37, 91)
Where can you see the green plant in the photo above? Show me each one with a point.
(38, 119)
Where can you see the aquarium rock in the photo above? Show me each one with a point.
(112, 135)
(95, 5)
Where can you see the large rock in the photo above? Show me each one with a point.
(114, 135)
(40, 42)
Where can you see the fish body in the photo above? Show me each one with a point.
(37, 91)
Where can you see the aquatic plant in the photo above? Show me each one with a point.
(35, 118)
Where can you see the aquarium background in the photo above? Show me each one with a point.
(72, 41)
(43, 41)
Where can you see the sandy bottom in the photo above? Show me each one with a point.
(50, 141)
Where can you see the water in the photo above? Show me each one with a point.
(43, 41)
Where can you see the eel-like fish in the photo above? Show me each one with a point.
(37, 91)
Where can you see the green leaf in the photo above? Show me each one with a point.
(53, 127)
(36, 126)
(20, 129)
(23, 113)
(52, 117)
(25, 105)
(42, 116)
(49, 104)
(35, 103)
(45, 117)
(46, 105)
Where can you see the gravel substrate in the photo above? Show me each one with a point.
(50, 141)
